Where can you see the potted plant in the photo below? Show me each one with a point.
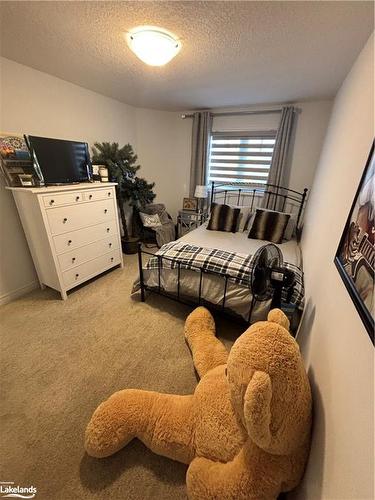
(137, 192)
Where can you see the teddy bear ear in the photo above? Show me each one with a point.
(277, 316)
(257, 409)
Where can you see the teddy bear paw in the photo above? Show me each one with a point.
(104, 436)
(200, 320)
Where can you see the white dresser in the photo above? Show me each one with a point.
(72, 231)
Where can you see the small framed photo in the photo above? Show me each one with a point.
(355, 257)
(190, 204)
(26, 180)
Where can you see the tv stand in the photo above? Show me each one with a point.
(72, 231)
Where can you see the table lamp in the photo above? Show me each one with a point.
(201, 194)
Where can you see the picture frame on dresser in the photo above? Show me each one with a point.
(355, 254)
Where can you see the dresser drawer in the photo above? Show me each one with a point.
(64, 219)
(57, 200)
(91, 268)
(98, 194)
(74, 239)
(83, 254)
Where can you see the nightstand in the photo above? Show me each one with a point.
(188, 220)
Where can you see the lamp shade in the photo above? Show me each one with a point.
(200, 192)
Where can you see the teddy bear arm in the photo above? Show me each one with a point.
(207, 355)
(207, 351)
(163, 422)
(209, 480)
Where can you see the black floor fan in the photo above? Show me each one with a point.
(269, 277)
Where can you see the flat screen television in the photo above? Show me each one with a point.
(59, 161)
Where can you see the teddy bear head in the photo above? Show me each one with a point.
(270, 392)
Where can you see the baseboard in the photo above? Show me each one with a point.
(18, 292)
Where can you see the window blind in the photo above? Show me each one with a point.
(241, 157)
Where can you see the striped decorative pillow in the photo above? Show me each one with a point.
(223, 218)
(268, 225)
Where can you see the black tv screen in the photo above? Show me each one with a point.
(60, 161)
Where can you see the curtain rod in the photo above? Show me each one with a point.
(235, 113)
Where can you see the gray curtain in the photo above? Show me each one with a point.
(202, 125)
(278, 172)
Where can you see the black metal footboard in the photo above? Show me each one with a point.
(189, 300)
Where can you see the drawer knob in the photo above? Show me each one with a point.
(109, 244)
(73, 259)
(111, 259)
(52, 202)
(105, 210)
(65, 220)
(77, 198)
(109, 194)
(77, 274)
(90, 196)
(107, 229)
(69, 242)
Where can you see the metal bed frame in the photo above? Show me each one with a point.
(269, 196)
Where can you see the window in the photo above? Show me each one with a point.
(241, 157)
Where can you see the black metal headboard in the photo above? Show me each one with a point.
(267, 195)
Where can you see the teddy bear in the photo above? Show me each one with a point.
(245, 432)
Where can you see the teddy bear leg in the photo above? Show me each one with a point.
(162, 422)
(208, 352)
(209, 480)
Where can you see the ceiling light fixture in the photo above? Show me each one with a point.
(154, 46)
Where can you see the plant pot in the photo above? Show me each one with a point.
(130, 245)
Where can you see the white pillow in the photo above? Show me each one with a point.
(245, 213)
(150, 220)
(290, 227)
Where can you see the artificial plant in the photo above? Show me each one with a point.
(122, 168)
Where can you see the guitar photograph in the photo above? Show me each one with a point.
(355, 256)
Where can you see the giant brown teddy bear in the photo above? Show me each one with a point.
(244, 432)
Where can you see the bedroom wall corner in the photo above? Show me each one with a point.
(34, 102)
(164, 151)
(338, 352)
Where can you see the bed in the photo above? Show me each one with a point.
(194, 269)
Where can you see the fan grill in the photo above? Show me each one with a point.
(265, 258)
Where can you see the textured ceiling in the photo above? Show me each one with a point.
(234, 53)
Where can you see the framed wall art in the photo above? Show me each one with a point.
(190, 204)
(356, 252)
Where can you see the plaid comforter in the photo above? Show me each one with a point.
(236, 266)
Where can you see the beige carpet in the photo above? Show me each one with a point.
(59, 360)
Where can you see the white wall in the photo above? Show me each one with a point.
(37, 103)
(311, 127)
(334, 342)
(163, 148)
